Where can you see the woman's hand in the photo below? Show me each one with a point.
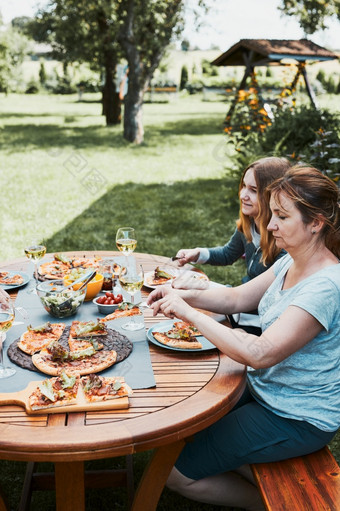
(172, 305)
(185, 256)
(190, 280)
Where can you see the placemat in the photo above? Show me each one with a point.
(136, 368)
(112, 341)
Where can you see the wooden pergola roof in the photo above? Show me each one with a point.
(268, 52)
(273, 52)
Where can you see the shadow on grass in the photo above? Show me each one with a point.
(46, 136)
(166, 218)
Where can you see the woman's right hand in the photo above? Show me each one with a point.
(185, 256)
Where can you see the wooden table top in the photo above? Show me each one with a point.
(192, 391)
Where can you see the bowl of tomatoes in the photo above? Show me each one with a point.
(108, 302)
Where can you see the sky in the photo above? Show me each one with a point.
(227, 22)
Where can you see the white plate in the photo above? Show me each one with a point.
(8, 287)
(164, 326)
(150, 274)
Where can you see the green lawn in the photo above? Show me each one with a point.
(72, 180)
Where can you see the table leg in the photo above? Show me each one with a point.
(70, 486)
(155, 475)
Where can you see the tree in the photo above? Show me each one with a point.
(84, 31)
(147, 28)
(42, 74)
(312, 14)
(14, 46)
(184, 77)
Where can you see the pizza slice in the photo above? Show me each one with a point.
(186, 327)
(83, 335)
(100, 388)
(86, 262)
(54, 359)
(53, 270)
(55, 392)
(11, 280)
(178, 339)
(159, 277)
(35, 339)
(63, 258)
(124, 310)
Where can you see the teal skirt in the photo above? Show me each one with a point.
(248, 434)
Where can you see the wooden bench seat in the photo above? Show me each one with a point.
(306, 483)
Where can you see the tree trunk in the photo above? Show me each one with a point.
(110, 98)
(133, 115)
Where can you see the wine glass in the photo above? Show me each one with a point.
(126, 240)
(131, 280)
(6, 320)
(35, 251)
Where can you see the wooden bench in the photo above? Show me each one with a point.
(167, 91)
(306, 483)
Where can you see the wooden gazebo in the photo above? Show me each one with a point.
(273, 52)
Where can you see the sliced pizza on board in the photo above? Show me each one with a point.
(55, 392)
(99, 388)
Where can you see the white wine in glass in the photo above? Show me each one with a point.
(126, 240)
(6, 320)
(131, 281)
(35, 251)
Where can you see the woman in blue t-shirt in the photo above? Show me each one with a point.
(291, 406)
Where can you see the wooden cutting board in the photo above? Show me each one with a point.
(21, 398)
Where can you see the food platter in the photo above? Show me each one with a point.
(8, 287)
(164, 326)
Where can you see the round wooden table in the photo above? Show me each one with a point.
(193, 390)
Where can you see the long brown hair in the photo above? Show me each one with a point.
(266, 170)
(315, 196)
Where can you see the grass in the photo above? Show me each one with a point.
(68, 178)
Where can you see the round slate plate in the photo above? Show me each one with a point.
(112, 341)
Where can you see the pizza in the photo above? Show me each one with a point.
(69, 389)
(55, 392)
(181, 336)
(187, 327)
(54, 359)
(124, 310)
(83, 334)
(62, 265)
(35, 339)
(11, 280)
(53, 270)
(100, 388)
(159, 277)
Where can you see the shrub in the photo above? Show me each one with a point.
(32, 87)
(301, 134)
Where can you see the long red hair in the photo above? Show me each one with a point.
(266, 170)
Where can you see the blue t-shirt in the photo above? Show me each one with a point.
(306, 385)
